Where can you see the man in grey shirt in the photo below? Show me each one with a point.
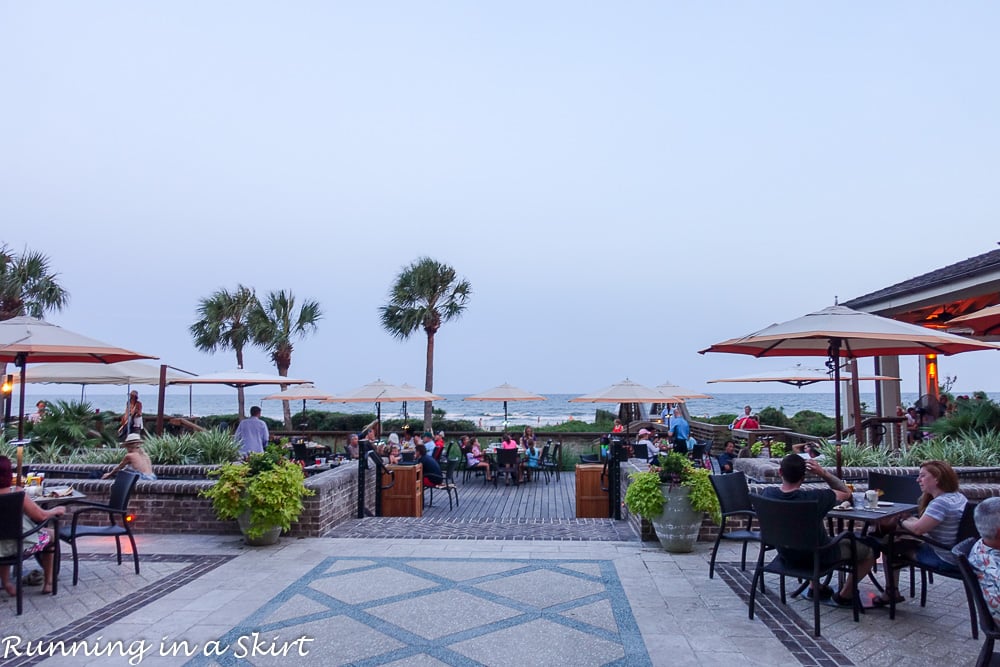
(252, 434)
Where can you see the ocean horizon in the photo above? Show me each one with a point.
(487, 415)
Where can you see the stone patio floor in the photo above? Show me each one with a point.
(210, 600)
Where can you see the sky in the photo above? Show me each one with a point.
(623, 184)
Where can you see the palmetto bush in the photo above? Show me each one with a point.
(170, 450)
(71, 424)
(216, 447)
(965, 449)
(106, 456)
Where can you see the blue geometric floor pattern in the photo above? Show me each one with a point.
(432, 611)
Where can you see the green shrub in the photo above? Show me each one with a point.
(720, 420)
(171, 449)
(214, 447)
(71, 424)
(774, 417)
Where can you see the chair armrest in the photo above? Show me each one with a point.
(52, 520)
(924, 538)
(748, 513)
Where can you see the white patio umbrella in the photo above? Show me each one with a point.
(306, 392)
(672, 389)
(237, 379)
(627, 391)
(985, 322)
(379, 392)
(505, 392)
(800, 376)
(838, 333)
(121, 373)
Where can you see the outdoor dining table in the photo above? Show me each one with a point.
(51, 501)
(872, 516)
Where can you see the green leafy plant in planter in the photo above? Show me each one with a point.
(778, 449)
(677, 470)
(643, 496)
(267, 490)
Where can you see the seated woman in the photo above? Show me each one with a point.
(34, 544)
(135, 460)
(474, 459)
(530, 465)
(940, 510)
(395, 457)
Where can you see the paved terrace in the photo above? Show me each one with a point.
(457, 602)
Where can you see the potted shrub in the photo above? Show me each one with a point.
(685, 494)
(264, 495)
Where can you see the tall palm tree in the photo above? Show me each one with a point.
(273, 325)
(224, 324)
(27, 285)
(425, 295)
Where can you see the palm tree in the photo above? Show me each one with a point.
(224, 324)
(426, 294)
(27, 286)
(275, 323)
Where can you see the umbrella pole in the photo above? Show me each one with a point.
(834, 351)
(23, 361)
(505, 415)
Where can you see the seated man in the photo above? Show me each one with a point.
(793, 471)
(351, 449)
(727, 456)
(985, 554)
(432, 471)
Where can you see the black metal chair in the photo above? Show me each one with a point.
(966, 530)
(447, 484)
(508, 463)
(975, 592)
(895, 488)
(734, 501)
(553, 464)
(300, 452)
(12, 529)
(542, 469)
(119, 521)
(794, 525)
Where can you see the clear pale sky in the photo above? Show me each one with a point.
(622, 183)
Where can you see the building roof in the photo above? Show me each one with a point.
(980, 265)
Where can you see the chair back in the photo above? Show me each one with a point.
(967, 527)
(409, 456)
(698, 451)
(733, 492)
(640, 451)
(506, 457)
(544, 456)
(299, 451)
(11, 509)
(789, 524)
(449, 470)
(121, 490)
(895, 488)
(973, 588)
(556, 457)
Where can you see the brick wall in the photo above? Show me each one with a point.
(174, 506)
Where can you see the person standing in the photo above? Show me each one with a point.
(252, 434)
(132, 419)
(39, 413)
(679, 431)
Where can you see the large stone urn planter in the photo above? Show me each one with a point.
(265, 540)
(677, 527)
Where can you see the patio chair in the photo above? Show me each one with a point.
(447, 484)
(734, 501)
(300, 452)
(12, 529)
(541, 469)
(789, 525)
(508, 463)
(966, 530)
(119, 521)
(975, 592)
(553, 464)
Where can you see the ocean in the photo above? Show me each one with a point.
(555, 410)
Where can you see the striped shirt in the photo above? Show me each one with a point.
(946, 508)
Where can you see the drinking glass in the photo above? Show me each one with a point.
(859, 500)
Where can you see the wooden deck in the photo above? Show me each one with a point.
(531, 500)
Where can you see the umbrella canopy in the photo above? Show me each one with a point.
(800, 376)
(27, 340)
(379, 392)
(672, 389)
(505, 392)
(983, 322)
(43, 342)
(857, 334)
(627, 391)
(840, 332)
(123, 372)
(306, 392)
(238, 378)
